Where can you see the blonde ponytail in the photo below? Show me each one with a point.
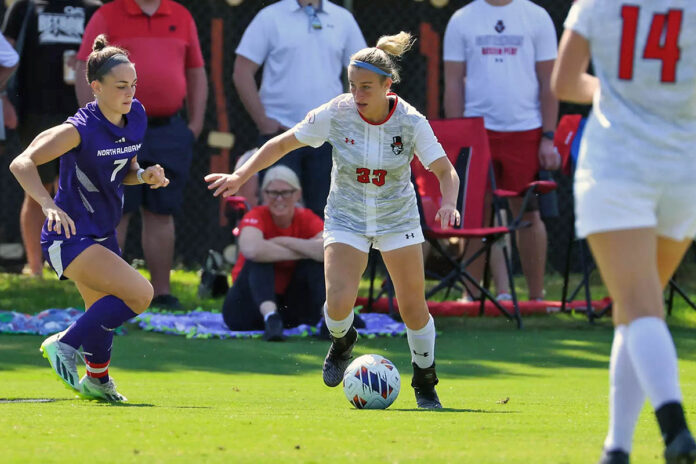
(396, 45)
(389, 47)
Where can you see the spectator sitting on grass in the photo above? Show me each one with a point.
(279, 276)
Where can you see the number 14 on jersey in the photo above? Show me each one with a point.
(662, 42)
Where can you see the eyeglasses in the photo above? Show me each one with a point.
(314, 21)
(285, 194)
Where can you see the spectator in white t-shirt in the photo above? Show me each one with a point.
(498, 58)
(9, 59)
(303, 45)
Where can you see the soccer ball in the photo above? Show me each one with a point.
(371, 382)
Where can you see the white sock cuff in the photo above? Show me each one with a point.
(427, 328)
(338, 328)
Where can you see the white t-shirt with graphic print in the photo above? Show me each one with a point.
(371, 190)
(501, 46)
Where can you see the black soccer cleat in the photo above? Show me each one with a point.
(681, 450)
(423, 383)
(273, 328)
(338, 357)
(614, 457)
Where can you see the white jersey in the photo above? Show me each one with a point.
(371, 191)
(643, 121)
(501, 46)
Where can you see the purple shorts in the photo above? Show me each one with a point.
(60, 252)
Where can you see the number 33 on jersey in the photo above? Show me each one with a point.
(371, 175)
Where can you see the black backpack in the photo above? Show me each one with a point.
(213, 276)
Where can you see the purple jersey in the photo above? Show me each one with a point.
(90, 187)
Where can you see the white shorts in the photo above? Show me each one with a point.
(607, 205)
(385, 242)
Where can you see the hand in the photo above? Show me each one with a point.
(195, 129)
(549, 158)
(9, 113)
(448, 216)
(154, 176)
(225, 184)
(58, 220)
(269, 126)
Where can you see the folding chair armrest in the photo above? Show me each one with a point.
(506, 193)
(538, 186)
(482, 232)
(542, 186)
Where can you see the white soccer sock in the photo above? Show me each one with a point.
(422, 344)
(655, 360)
(626, 396)
(338, 329)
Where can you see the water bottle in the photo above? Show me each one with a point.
(548, 203)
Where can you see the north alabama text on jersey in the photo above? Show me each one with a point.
(119, 150)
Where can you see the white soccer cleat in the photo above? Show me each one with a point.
(63, 359)
(94, 389)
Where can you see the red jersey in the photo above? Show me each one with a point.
(162, 46)
(305, 224)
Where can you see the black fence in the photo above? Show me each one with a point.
(200, 225)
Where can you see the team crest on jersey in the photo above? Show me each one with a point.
(397, 146)
(499, 26)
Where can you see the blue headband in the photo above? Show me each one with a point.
(111, 62)
(369, 67)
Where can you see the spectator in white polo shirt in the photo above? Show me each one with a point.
(303, 45)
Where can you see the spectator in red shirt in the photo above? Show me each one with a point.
(279, 275)
(162, 41)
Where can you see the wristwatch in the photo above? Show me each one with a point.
(548, 134)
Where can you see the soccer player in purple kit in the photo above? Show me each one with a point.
(97, 149)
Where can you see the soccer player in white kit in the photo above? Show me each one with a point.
(635, 191)
(371, 202)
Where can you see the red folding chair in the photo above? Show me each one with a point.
(466, 144)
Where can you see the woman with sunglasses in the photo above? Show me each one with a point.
(278, 279)
(374, 135)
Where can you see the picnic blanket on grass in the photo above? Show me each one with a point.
(194, 324)
(206, 324)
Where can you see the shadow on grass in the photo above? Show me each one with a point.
(122, 405)
(33, 400)
(446, 410)
(461, 351)
(466, 347)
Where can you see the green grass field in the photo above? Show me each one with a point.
(538, 395)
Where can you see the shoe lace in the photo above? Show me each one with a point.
(110, 387)
(70, 356)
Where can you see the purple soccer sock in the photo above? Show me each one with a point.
(97, 346)
(105, 315)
